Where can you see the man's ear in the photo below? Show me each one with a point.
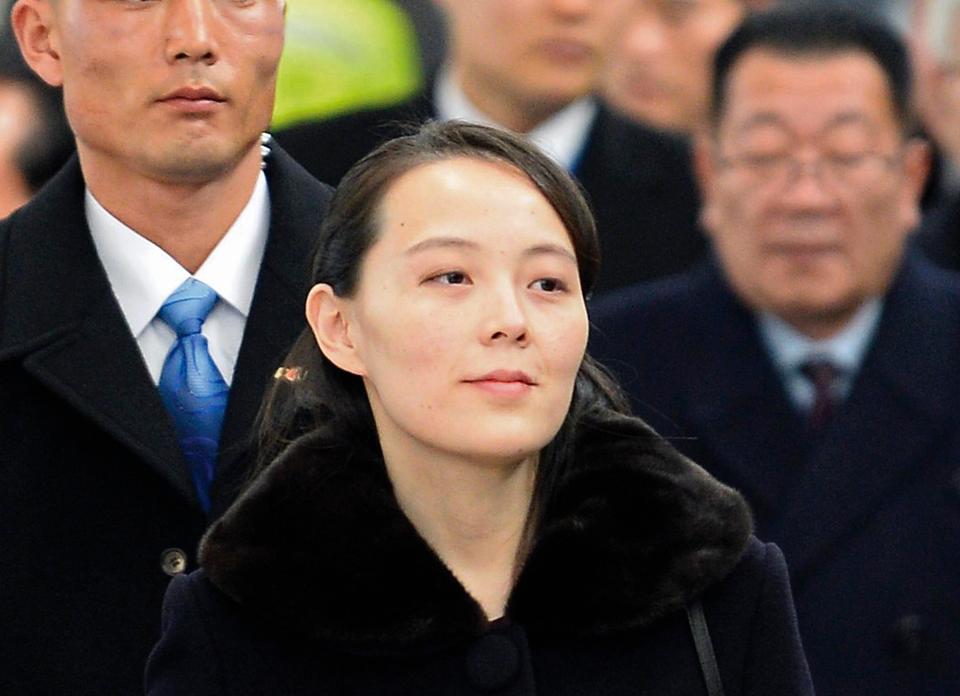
(326, 314)
(705, 170)
(917, 160)
(34, 25)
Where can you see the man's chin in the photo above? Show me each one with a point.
(193, 165)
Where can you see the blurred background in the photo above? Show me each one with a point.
(343, 57)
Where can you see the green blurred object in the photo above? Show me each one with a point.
(341, 56)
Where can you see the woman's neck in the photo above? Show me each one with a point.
(472, 513)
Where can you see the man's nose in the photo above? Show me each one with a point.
(189, 31)
(574, 9)
(642, 34)
(808, 185)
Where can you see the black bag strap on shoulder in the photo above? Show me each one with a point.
(708, 659)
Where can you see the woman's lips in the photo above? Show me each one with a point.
(504, 382)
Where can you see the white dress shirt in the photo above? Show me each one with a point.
(563, 136)
(143, 276)
(791, 350)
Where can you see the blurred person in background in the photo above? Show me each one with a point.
(35, 140)
(531, 66)
(814, 364)
(658, 71)
(342, 56)
(935, 34)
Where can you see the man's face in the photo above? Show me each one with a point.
(810, 189)
(659, 69)
(175, 90)
(543, 52)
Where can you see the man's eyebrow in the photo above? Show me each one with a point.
(764, 118)
(441, 243)
(847, 118)
(770, 119)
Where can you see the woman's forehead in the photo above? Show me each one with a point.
(470, 203)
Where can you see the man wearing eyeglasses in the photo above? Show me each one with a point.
(814, 364)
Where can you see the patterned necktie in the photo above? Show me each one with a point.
(823, 375)
(191, 386)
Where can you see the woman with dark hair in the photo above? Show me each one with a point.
(458, 501)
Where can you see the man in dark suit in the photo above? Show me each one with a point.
(814, 365)
(126, 409)
(530, 67)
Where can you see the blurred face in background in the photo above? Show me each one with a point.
(659, 69)
(810, 187)
(528, 56)
(935, 46)
(18, 114)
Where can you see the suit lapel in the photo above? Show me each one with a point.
(98, 369)
(751, 435)
(297, 204)
(60, 318)
(901, 406)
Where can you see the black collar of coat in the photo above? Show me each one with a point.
(318, 546)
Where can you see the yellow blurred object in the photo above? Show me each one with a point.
(341, 56)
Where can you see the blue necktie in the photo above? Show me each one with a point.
(191, 386)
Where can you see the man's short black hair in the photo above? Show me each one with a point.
(811, 32)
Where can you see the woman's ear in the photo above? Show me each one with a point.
(330, 323)
(34, 25)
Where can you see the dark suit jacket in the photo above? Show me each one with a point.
(638, 182)
(939, 234)
(283, 606)
(868, 514)
(93, 488)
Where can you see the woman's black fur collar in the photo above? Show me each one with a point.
(318, 546)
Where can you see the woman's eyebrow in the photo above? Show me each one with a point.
(461, 243)
(441, 243)
(552, 250)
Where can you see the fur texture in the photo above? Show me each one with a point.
(319, 546)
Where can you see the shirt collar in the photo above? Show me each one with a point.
(143, 275)
(562, 136)
(790, 349)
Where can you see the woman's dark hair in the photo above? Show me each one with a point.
(312, 395)
(816, 31)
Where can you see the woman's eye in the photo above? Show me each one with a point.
(549, 285)
(451, 278)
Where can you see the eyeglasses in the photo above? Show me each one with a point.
(849, 170)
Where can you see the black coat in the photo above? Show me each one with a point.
(315, 582)
(638, 182)
(939, 234)
(868, 513)
(93, 488)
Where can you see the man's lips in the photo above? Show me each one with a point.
(194, 94)
(802, 248)
(566, 50)
(193, 99)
